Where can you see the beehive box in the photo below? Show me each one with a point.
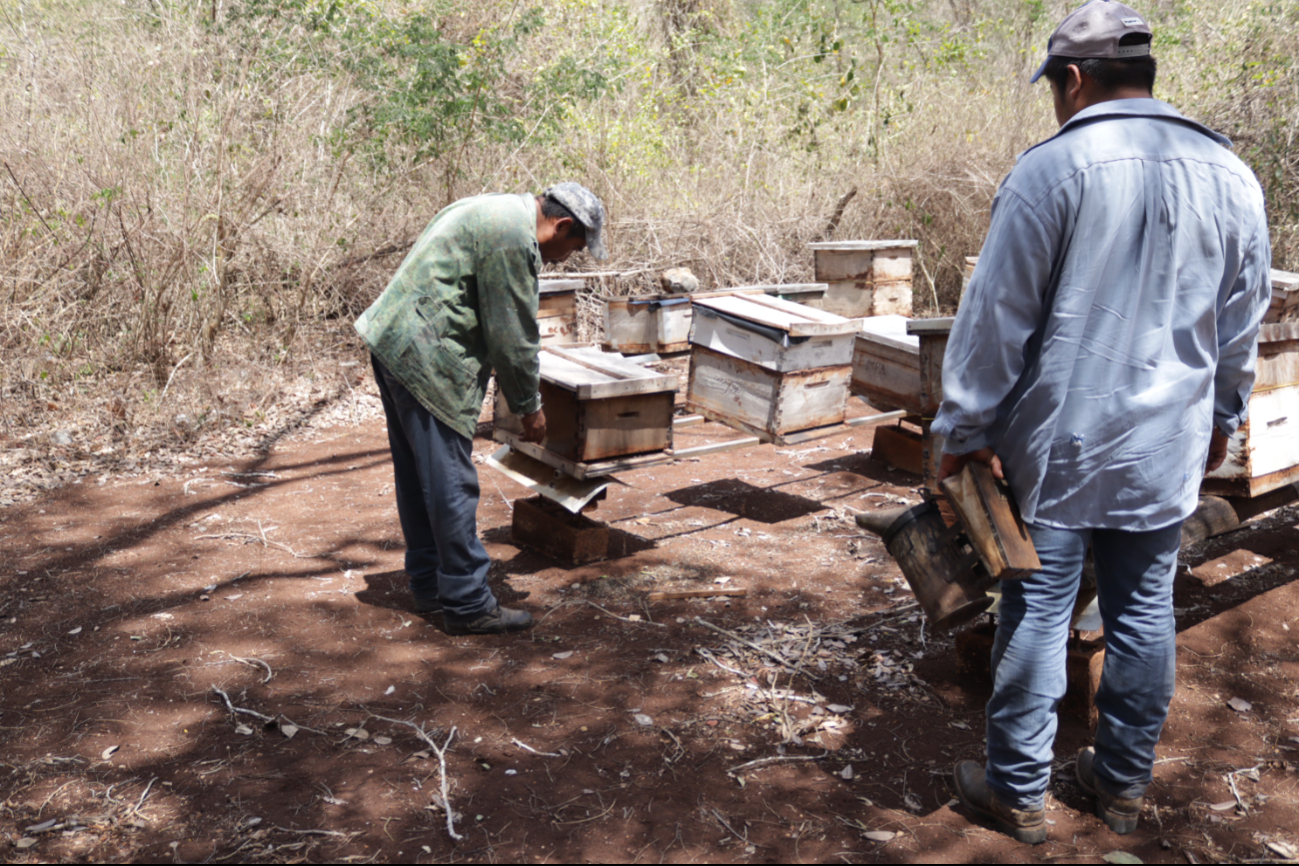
(650, 323)
(768, 366)
(1263, 454)
(557, 311)
(865, 278)
(886, 364)
(598, 407)
(642, 324)
(1285, 298)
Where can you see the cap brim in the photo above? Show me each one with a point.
(595, 246)
(1041, 69)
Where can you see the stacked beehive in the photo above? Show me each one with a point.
(768, 366)
(865, 278)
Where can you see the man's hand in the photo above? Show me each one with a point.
(1217, 451)
(954, 463)
(534, 426)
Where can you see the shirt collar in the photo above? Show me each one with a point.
(1116, 108)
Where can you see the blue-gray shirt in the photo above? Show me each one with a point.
(1112, 318)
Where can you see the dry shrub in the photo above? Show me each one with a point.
(197, 209)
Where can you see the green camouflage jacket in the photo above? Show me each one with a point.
(464, 302)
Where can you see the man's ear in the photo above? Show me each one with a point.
(1073, 85)
(563, 226)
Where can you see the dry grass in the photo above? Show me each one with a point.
(184, 229)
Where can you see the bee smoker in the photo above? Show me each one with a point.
(950, 567)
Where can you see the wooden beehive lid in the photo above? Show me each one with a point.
(860, 246)
(1284, 281)
(786, 288)
(890, 330)
(795, 319)
(924, 327)
(552, 286)
(678, 296)
(596, 375)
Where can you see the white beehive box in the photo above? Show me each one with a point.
(1285, 298)
(557, 311)
(865, 278)
(641, 324)
(886, 364)
(768, 366)
(1264, 452)
(648, 323)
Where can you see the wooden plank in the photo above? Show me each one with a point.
(716, 447)
(992, 523)
(577, 469)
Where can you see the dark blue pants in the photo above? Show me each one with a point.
(437, 502)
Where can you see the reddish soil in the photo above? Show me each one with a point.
(123, 605)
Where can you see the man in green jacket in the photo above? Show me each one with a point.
(462, 304)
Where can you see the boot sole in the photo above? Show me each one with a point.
(1023, 835)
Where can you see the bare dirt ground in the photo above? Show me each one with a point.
(616, 730)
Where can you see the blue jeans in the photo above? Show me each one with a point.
(437, 502)
(1134, 578)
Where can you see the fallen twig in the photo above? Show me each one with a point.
(708, 654)
(136, 808)
(662, 595)
(762, 649)
(241, 710)
(317, 832)
(726, 824)
(775, 759)
(441, 752)
(255, 662)
(526, 747)
(625, 619)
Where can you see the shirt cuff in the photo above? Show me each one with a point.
(973, 442)
(529, 406)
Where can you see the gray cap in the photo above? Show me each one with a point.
(587, 209)
(1094, 31)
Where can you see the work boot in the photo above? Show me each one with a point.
(972, 788)
(428, 605)
(497, 621)
(1120, 814)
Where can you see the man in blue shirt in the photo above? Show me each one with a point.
(1102, 356)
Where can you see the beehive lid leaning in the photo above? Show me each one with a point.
(794, 319)
(595, 375)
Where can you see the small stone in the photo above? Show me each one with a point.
(643, 720)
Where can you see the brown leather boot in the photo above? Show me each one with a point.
(972, 788)
(1119, 814)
